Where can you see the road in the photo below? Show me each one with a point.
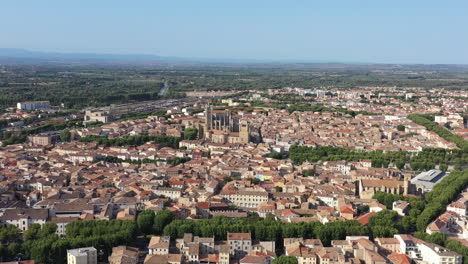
(164, 89)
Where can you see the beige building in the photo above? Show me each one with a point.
(222, 127)
(249, 199)
(97, 116)
(240, 244)
(367, 188)
(23, 218)
(159, 245)
(41, 140)
(124, 255)
(82, 256)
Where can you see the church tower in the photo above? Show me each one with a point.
(208, 121)
(244, 132)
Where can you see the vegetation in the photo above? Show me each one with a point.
(423, 212)
(408, 222)
(163, 141)
(79, 86)
(442, 194)
(424, 160)
(265, 229)
(190, 133)
(45, 127)
(65, 135)
(151, 223)
(441, 131)
(275, 155)
(283, 259)
(172, 161)
(43, 245)
(308, 173)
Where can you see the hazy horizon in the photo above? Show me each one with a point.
(400, 32)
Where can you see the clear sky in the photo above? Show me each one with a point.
(381, 31)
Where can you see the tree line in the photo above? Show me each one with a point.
(174, 161)
(442, 132)
(426, 159)
(42, 244)
(162, 140)
(10, 138)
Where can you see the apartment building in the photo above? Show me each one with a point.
(249, 199)
(34, 105)
(86, 255)
(240, 244)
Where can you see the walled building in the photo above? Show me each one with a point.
(222, 127)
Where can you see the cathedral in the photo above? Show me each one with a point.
(222, 127)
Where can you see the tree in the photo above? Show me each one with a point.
(65, 135)
(400, 164)
(161, 219)
(48, 228)
(255, 180)
(308, 173)
(32, 232)
(275, 155)
(145, 221)
(190, 133)
(363, 209)
(227, 179)
(9, 234)
(14, 249)
(443, 167)
(283, 259)
(401, 128)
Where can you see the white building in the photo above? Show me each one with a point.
(435, 254)
(23, 218)
(36, 105)
(82, 256)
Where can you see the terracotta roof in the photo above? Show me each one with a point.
(364, 219)
(239, 236)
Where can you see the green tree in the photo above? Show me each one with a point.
(275, 155)
(283, 259)
(145, 221)
(32, 233)
(401, 128)
(161, 220)
(190, 133)
(308, 173)
(443, 167)
(65, 135)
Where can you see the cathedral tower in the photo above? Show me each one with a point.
(244, 132)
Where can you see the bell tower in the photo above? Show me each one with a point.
(244, 132)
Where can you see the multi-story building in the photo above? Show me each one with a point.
(41, 140)
(159, 245)
(435, 254)
(35, 105)
(249, 199)
(240, 244)
(97, 116)
(124, 254)
(82, 256)
(23, 218)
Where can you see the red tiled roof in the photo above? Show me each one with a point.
(364, 219)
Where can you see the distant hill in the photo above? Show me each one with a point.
(9, 54)
(24, 56)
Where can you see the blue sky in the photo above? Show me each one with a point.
(381, 31)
